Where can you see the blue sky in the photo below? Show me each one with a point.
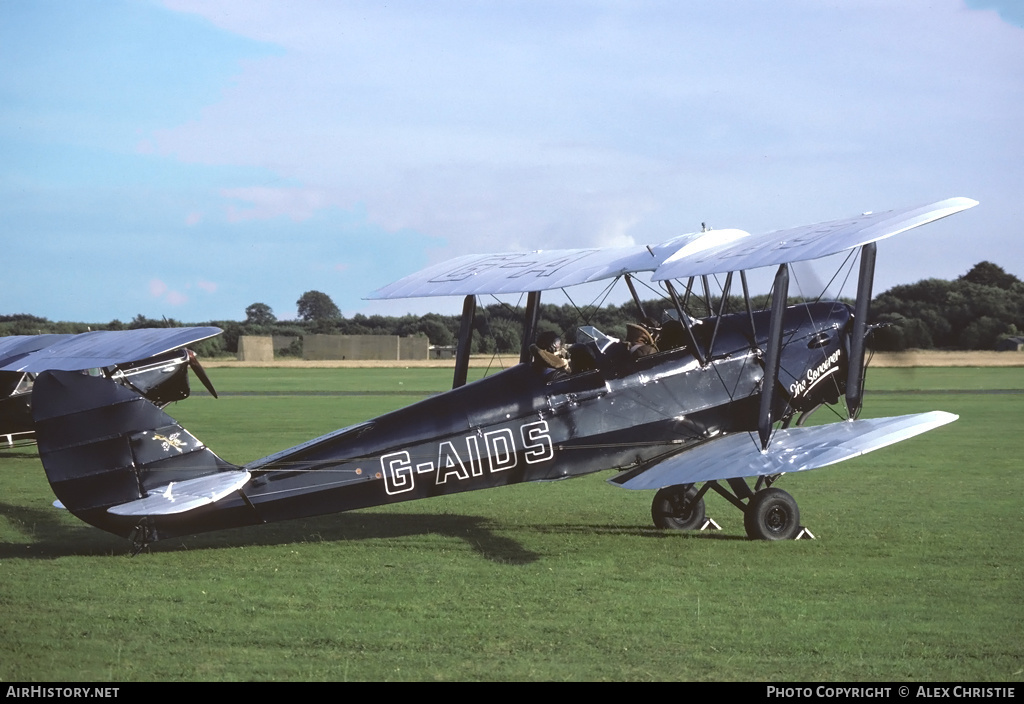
(187, 158)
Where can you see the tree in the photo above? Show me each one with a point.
(315, 306)
(506, 335)
(433, 326)
(141, 321)
(971, 312)
(989, 274)
(260, 314)
(983, 333)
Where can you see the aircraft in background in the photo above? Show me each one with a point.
(152, 361)
(717, 404)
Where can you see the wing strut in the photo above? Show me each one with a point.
(855, 379)
(780, 291)
(685, 320)
(529, 325)
(689, 290)
(636, 298)
(750, 311)
(721, 311)
(707, 294)
(465, 342)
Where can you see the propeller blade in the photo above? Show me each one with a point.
(193, 362)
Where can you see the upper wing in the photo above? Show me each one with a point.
(101, 348)
(694, 254)
(798, 244)
(791, 450)
(16, 347)
(540, 270)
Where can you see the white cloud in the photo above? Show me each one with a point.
(176, 298)
(551, 124)
(265, 203)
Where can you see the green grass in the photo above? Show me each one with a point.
(946, 378)
(344, 380)
(433, 380)
(915, 574)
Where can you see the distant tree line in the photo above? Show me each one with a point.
(974, 311)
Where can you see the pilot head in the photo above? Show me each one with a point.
(549, 341)
(638, 335)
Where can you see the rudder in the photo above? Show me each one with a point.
(103, 445)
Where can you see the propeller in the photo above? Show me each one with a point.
(193, 362)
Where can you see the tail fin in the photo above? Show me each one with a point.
(103, 446)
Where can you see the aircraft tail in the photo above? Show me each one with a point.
(112, 457)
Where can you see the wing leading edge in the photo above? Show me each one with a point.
(791, 450)
(694, 254)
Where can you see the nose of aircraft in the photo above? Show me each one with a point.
(193, 362)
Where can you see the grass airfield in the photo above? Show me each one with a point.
(916, 573)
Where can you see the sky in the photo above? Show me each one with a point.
(188, 158)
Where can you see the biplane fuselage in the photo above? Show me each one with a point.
(520, 425)
(621, 414)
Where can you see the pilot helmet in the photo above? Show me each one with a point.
(638, 335)
(549, 341)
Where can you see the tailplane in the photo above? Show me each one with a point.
(113, 458)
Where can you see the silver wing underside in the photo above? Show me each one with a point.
(695, 254)
(791, 450)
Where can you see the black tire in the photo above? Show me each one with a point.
(772, 514)
(674, 508)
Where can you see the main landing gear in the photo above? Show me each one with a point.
(675, 507)
(768, 513)
(771, 514)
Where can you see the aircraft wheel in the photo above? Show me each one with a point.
(772, 514)
(674, 508)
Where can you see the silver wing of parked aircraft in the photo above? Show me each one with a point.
(94, 350)
(152, 361)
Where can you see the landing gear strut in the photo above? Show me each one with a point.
(768, 513)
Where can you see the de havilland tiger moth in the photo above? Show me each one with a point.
(689, 405)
